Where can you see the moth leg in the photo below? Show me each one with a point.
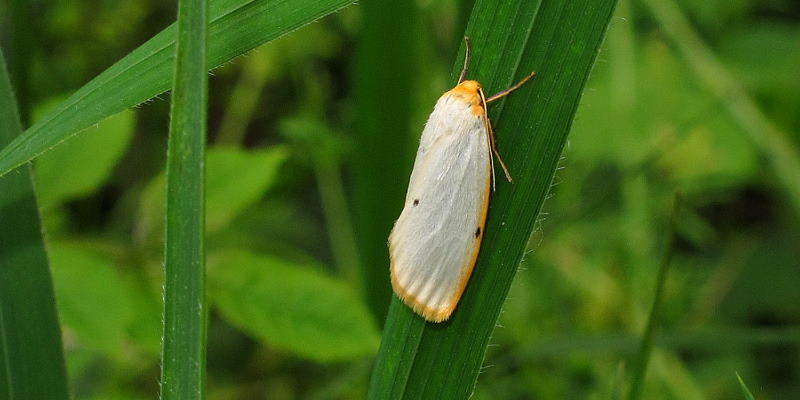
(492, 143)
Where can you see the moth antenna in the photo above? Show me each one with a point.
(466, 61)
(506, 92)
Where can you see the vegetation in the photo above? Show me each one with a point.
(608, 292)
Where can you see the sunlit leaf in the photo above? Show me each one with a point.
(235, 179)
(80, 166)
(93, 299)
(293, 307)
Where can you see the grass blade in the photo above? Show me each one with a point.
(558, 39)
(24, 26)
(646, 346)
(185, 306)
(747, 394)
(382, 126)
(31, 358)
(235, 27)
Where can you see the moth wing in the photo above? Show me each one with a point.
(435, 242)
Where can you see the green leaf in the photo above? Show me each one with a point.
(31, 357)
(235, 27)
(639, 368)
(381, 130)
(747, 394)
(295, 308)
(183, 362)
(235, 180)
(81, 165)
(146, 292)
(93, 299)
(558, 39)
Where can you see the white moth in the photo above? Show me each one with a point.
(435, 242)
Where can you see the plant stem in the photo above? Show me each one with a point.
(185, 309)
(646, 347)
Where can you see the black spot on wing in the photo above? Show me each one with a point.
(478, 232)
(416, 202)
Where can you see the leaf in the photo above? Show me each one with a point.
(235, 180)
(382, 132)
(295, 308)
(183, 361)
(639, 367)
(235, 27)
(147, 299)
(558, 39)
(81, 165)
(93, 299)
(31, 357)
(747, 394)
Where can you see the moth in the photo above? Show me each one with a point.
(435, 241)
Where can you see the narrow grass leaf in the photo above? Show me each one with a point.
(558, 39)
(21, 34)
(31, 357)
(384, 80)
(639, 368)
(235, 27)
(747, 394)
(618, 383)
(185, 310)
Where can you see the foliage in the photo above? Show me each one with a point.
(282, 197)
(31, 360)
(561, 43)
(292, 307)
(183, 352)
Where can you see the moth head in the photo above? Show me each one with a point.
(470, 93)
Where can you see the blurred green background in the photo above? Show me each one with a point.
(301, 194)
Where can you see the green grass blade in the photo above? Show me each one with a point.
(236, 26)
(185, 306)
(558, 39)
(31, 358)
(646, 347)
(618, 383)
(381, 128)
(747, 394)
(24, 30)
